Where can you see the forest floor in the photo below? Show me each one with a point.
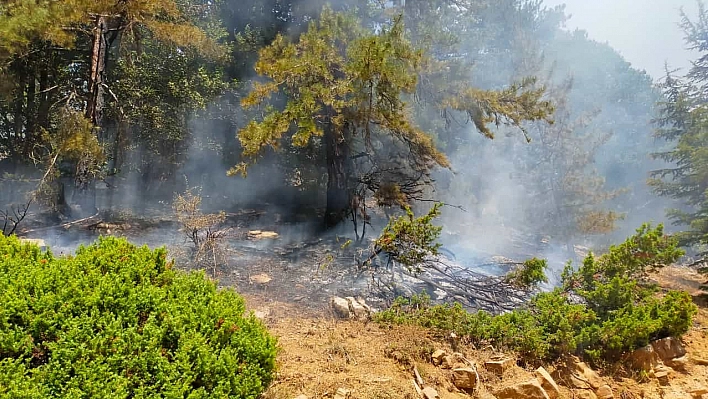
(320, 355)
(288, 282)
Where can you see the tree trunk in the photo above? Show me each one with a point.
(30, 113)
(339, 169)
(19, 103)
(85, 193)
(94, 106)
(44, 103)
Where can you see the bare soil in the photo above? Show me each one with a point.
(319, 354)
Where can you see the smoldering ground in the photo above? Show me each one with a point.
(486, 178)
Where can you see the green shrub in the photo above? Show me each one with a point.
(409, 240)
(602, 310)
(530, 274)
(116, 321)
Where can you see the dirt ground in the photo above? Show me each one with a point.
(319, 355)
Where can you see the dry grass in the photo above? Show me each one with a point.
(319, 355)
(202, 230)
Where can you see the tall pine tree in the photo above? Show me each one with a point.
(345, 88)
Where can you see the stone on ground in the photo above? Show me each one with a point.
(342, 393)
(438, 357)
(340, 306)
(358, 308)
(525, 390)
(668, 348)
(498, 364)
(430, 393)
(644, 359)
(465, 378)
(547, 382)
(605, 392)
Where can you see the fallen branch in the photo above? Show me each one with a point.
(418, 389)
(418, 378)
(63, 225)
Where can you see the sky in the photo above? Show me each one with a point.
(645, 32)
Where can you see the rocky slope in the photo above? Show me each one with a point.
(323, 356)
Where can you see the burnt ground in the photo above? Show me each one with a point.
(289, 261)
(287, 280)
(296, 265)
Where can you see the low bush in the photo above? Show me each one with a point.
(529, 274)
(604, 309)
(116, 321)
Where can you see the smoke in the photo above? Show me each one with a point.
(486, 180)
(643, 32)
(492, 188)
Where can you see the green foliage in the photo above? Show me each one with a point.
(75, 139)
(568, 194)
(339, 79)
(522, 101)
(115, 320)
(602, 311)
(683, 123)
(25, 21)
(531, 273)
(646, 251)
(410, 240)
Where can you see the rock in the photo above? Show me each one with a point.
(668, 348)
(697, 392)
(498, 365)
(340, 306)
(350, 308)
(261, 279)
(262, 235)
(465, 378)
(262, 314)
(644, 359)
(525, 390)
(342, 393)
(699, 361)
(604, 392)
(438, 356)
(430, 393)
(679, 363)
(583, 377)
(451, 361)
(547, 382)
(358, 308)
(585, 394)
(662, 374)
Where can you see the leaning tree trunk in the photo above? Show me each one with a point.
(339, 169)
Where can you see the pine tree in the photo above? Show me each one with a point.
(346, 87)
(683, 122)
(566, 194)
(69, 45)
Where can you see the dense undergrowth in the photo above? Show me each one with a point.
(602, 310)
(116, 321)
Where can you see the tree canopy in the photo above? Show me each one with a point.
(348, 85)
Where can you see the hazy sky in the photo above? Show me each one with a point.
(645, 32)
